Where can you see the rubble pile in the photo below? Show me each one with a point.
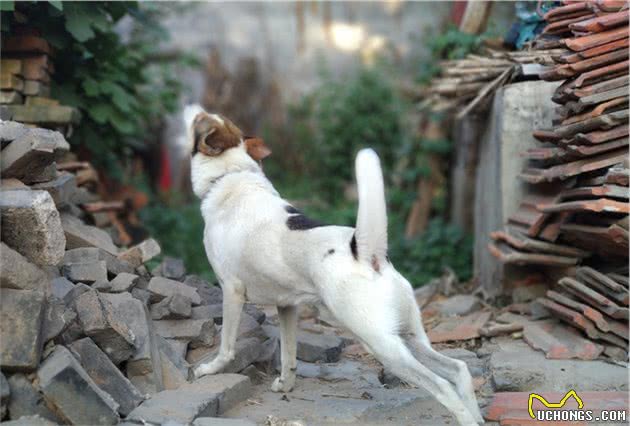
(26, 68)
(89, 334)
(576, 208)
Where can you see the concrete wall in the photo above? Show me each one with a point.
(517, 110)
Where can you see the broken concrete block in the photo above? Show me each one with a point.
(313, 347)
(87, 272)
(27, 400)
(179, 406)
(170, 267)
(74, 395)
(61, 188)
(105, 374)
(220, 421)
(175, 306)
(70, 298)
(21, 331)
(231, 388)
(461, 304)
(102, 286)
(93, 254)
(101, 322)
(60, 287)
(171, 349)
(18, 273)
(31, 152)
(31, 225)
(246, 352)
(197, 332)
(29, 421)
(254, 312)
(11, 184)
(57, 318)
(214, 311)
(142, 295)
(5, 394)
(161, 288)
(210, 294)
(141, 253)
(180, 347)
(123, 282)
(175, 369)
(11, 130)
(79, 235)
(144, 367)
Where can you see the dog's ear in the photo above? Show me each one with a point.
(212, 136)
(256, 148)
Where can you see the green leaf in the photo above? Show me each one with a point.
(78, 21)
(91, 87)
(56, 4)
(7, 6)
(100, 113)
(121, 123)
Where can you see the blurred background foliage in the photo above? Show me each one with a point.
(123, 87)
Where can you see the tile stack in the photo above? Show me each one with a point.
(576, 211)
(25, 72)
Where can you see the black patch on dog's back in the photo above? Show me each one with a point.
(353, 247)
(297, 221)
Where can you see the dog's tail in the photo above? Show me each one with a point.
(369, 243)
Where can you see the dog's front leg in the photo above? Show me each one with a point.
(288, 349)
(233, 301)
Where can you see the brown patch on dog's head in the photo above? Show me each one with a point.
(213, 134)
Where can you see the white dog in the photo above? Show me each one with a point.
(265, 251)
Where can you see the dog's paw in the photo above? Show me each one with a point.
(280, 385)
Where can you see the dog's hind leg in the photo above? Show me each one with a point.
(454, 370)
(233, 300)
(391, 351)
(288, 347)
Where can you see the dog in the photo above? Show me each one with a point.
(263, 250)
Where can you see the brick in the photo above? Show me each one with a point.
(36, 68)
(170, 267)
(141, 253)
(44, 115)
(459, 328)
(31, 152)
(21, 331)
(123, 282)
(144, 367)
(57, 319)
(91, 254)
(100, 321)
(40, 101)
(31, 226)
(209, 293)
(176, 306)
(13, 66)
(18, 273)
(25, 44)
(80, 235)
(70, 390)
(85, 272)
(62, 188)
(10, 97)
(27, 400)
(231, 388)
(35, 88)
(199, 332)
(179, 406)
(11, 82)
(161, 288)
(313, 347)
(105, 374)
(246, 352)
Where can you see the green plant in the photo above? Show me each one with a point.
(112, 83)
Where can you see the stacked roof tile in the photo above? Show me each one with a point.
(577, 210)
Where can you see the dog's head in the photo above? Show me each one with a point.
(213, 134)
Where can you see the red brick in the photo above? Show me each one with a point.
(26, 43)
(459, 328)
